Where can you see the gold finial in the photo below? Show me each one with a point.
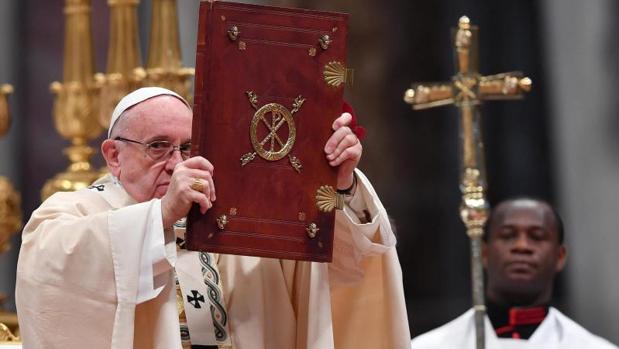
(6, 89)
(464, 23)
(409, 96)
(5, 114)
(463, 42)
(525, 84)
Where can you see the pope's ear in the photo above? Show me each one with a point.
(109, 149)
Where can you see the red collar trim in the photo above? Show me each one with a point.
(527, 316)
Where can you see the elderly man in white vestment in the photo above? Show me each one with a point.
(98, 267)
(523, 251)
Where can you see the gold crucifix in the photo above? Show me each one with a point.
(466, 91)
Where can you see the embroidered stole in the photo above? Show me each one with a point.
(203, 317)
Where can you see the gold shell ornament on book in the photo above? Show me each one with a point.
(328, 199)
(335, 74)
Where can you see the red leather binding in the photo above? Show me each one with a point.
(277, 55)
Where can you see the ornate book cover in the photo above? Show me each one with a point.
(269, 83)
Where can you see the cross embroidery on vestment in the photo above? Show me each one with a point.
(196, 299)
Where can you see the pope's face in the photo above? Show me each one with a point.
(162, 118)
(523, 253)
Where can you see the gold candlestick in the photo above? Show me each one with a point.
(5, 116)
(6, 337)
(76, 101)
(124, 63)
(10, 220)
(164, 66)
(10, 213)
(10, 200)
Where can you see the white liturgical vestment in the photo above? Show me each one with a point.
(557, 331)
(96, 271)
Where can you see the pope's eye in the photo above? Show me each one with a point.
(159, 145)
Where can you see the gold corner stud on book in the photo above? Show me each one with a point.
(312, 230)
(222, 221)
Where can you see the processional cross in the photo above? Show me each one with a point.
(466, 91)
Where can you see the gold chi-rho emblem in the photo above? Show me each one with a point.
(273, 116)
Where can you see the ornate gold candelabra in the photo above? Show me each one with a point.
(76, 102)
(5, 116)
(164, 66)
(6, 336)
(124, 63)
(85, 100)
(10, 218)
(467, 90)
(10, 213)
(10, 200)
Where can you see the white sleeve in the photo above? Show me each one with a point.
(147, 239)
(355, 239)
(367, 220)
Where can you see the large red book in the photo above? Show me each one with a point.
(269, 83)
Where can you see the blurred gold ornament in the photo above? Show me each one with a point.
(9, 329)
(124, 71)
(10, 221)
(6, 335)
(164, 66)
(5, 115)
(10, 213)
(76, 101)
(10, 200)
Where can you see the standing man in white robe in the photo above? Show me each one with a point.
(97, 267)
(523, 251)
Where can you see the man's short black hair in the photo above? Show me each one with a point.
(557, 216)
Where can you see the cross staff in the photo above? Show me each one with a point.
(466, 91)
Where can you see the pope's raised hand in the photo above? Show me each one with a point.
(343, 149)
(191, 182)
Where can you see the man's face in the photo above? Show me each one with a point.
(523, 253)
(159, 118)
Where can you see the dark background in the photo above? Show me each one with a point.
(412, 157)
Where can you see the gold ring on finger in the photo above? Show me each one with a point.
(197, 185)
